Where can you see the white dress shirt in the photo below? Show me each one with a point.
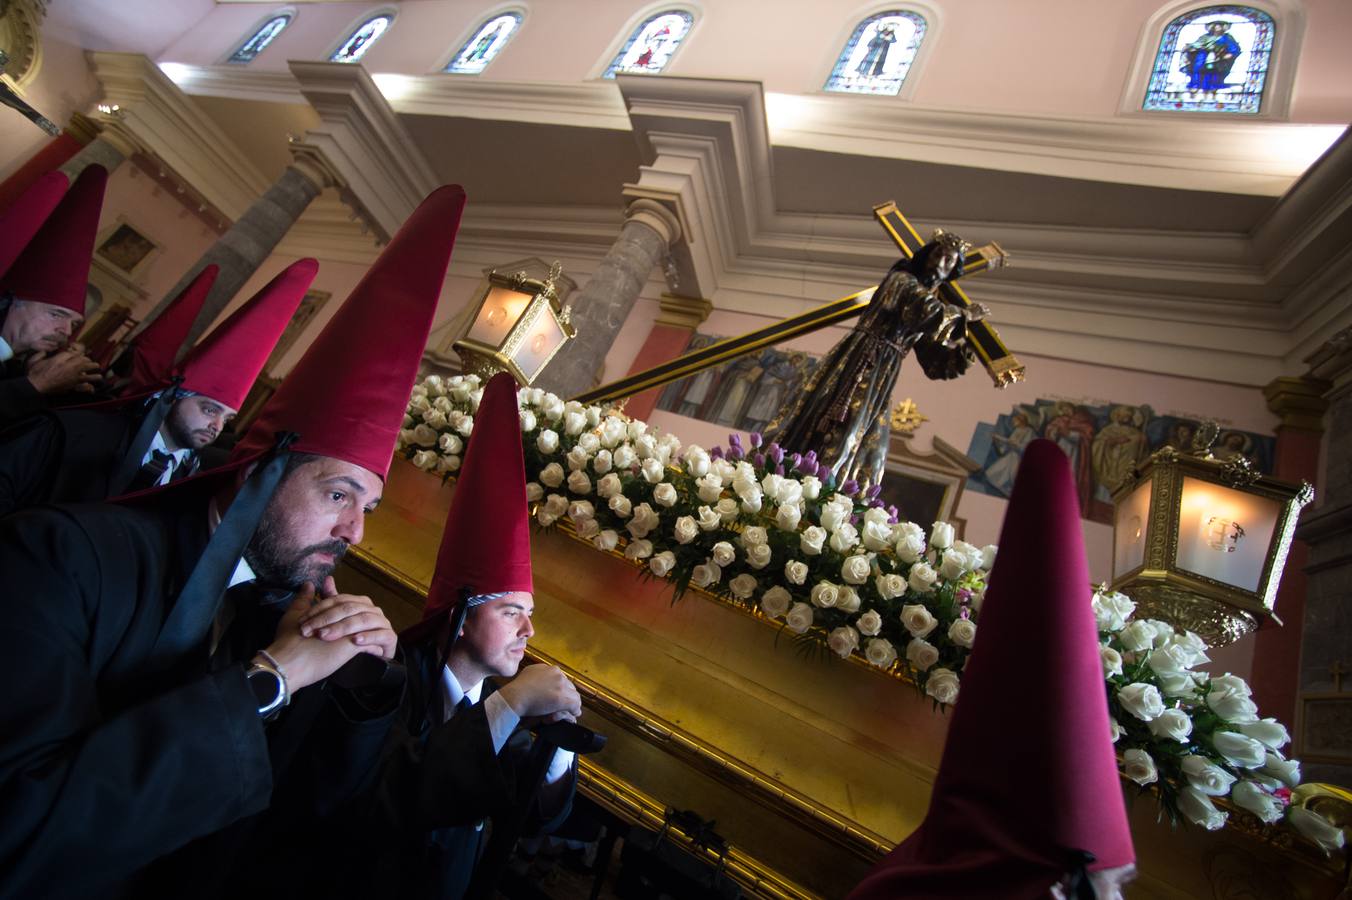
(502, 719)
(180, 456)
(6, 351)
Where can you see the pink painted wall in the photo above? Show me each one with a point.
(1058, 57)
(62, 86)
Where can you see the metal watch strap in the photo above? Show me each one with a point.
(272, 707)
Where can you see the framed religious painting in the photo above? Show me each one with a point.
(926, 487)
(126, 248)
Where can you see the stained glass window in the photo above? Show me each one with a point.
(355, 47)
(879, 53)
(260, 39)
(1213, 59)
(649, 48)
(485, 44)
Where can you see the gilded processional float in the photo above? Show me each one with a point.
(770, 651)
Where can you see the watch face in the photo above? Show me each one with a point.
(266, 686)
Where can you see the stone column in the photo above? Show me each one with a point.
(1325, 701)
(110, 148)
(251, 239)
(677, 321)
(1276, 653)
(603, 303)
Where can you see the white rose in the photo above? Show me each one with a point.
(574, 423)
(579, 483)
(552, 475)
(606, 540)
(623, 457)
(723, 553)
(855, 570)
(1270, 732)
(1139, 767)
(435, 418)
(921, 654)
(921, 578)
(645, 445)
(727, 510)
(1232, 684)
(475, 398)
(464, 426)
(1316, 828)
(1137, 636)
(787, 517)
(645, 519)
(425, 460)
(1231, 705)
(706, 573)
(528, 422)
(870, 623)
(1248, 795)
(1111, 610)
(917, 620)
(844, 538)
(1115, 730)
(799, 618)
(662, 564)
(876, 515)
(941, 536)
(1112, 661)
(709, 520)
(880, 652)
(638, 550)
(942, 685)
(612, 432)
(451, 443)
(812, 487)
(843, 640)
(743, 586)
(620, 506)
(709, 487)
(910, 549)
(795, 571)
(954, 565)
(1207, 777)
(424, 436)
(603, 462)
(775, 602)
(653, 471)
(1199, 810)
(665, 494)
(547, 441)
(758, 555)
(418, 404)
(1141, 700)
(581, 510)
(825, 594)
(988, 557)
(811, 540)
(1171, 725)
(1173, 657)
(696, 461)
(962, 632)
(1239, 750)
(589, 442)
(751, 503)
(534, 491)
(685, 530)
(577, 459)
(836, 512)
(1287, 771)
(448, 464)
(876, 536)
(1177, 684)
(770, 484)
(890, 586)
(849, 600)
(556, 504)
(790, 492)
(588, 528)
(608, 486)
(753, 535)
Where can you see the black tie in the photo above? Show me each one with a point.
(463, 705)
(152, 471)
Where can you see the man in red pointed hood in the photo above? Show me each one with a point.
(461, 757)
(1028, 801)
(173, 690)
(173, 412)
(46, 247)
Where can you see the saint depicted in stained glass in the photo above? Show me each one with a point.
(1212, 60)
(878, 55)
(261, 38)
(355, 47)
(485, 44)
(650, 47)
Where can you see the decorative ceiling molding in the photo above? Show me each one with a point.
(365, 143)
(165, 122)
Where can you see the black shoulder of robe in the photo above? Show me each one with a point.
(63, 456)
(18, 398)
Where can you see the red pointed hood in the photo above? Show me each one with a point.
(1028, 773)
(54, 266)
(346, 397)
(22, 220)
(225, 364)
(154, 350)
(486, 544)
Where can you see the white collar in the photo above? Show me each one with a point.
(6, 351)
(157, 443)
(452, 692)
(243, 571)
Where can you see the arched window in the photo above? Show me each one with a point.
(367, 33)
(485, 44)
(1213, 59)
(879, 53)
(260, 39)
(650, 47)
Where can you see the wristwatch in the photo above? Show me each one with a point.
(268, 686)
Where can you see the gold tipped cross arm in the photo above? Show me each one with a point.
(999, 362)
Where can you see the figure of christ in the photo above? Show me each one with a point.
(1209, 59)
(841, 412)
(1073, 431)
(875, 60)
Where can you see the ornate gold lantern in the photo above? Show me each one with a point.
(1200, 542)
(518, 328)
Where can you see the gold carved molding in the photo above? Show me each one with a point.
(1299, 401)
(683, 312)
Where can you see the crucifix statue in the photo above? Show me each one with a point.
(9, 97)
(842, 412)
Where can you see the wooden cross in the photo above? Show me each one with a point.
(994, 355)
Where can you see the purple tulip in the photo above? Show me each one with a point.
(850, 488)
(824, 473)
(775, 454)
(735, 453)
(759, 460)
(873, 492)
(795, 460)
(779, 470)
(716, 453)
(735, 440)
(810, 458)
(756, 439)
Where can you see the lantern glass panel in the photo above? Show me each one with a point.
(544, 335)
(1129, 528)
(1224, 533)
(500, 311)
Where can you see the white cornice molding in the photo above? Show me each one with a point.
(364, 142)
(168, 124)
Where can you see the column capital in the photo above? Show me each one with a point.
(114, 132)
(311, 162)
(656, 215)
(82, 128)
(1298, 400)
(683, 312)
(666, 205)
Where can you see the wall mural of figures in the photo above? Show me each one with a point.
(1103, 440)
(743, 394)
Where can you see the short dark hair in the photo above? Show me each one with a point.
(295, 460)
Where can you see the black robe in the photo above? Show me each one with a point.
(106, 765)
(18, 397)
(438, 785)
